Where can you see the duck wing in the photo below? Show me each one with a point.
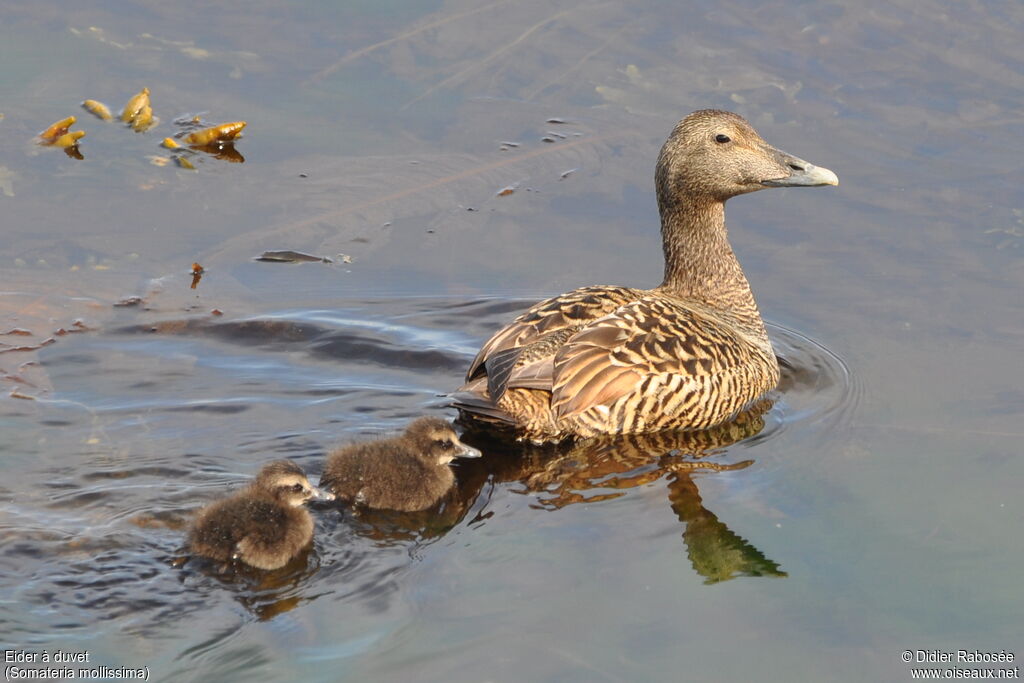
(537, 333)
(671, 358)
(263, 529)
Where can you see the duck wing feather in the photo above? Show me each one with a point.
(655, 348)
(570, 310)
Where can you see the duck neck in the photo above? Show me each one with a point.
(700, 263)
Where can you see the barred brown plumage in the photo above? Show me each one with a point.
(690, 353)
(405, 473)
(264, 525)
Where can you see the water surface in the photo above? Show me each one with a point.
(872, 508)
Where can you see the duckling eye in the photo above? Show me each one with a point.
(722, 138)
(298, 488)
(447, 444)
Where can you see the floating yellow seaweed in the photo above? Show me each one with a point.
(135, 105)
(225, 132)
(170, 143)
(144, 120)
(98, 109)
(184, 163)
(68, 139)
(51, 134)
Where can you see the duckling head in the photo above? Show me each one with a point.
(717, 154)
(287, 483)
(436, 441)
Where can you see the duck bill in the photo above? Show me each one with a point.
(465, 451)
(801, 174)
(321, 494)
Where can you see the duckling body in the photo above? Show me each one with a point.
(688, 354)
(406, 473)
(263, 525)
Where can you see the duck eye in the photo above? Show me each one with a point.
(447, 444)
(722, 138)
(298, 488)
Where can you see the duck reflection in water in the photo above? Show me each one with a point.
(603, 468)
(589, 471)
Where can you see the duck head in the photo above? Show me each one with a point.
(287, 483)
(716, 155)
(436, 441)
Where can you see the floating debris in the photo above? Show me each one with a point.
(506, 191)
(556, 119)
(69, 139)
(128, 301)
(507, 145)
(77, 325)
(56, 131)
(288, 256)
(98, 109)
(560, 136)
(158, 161)
(189, 119)
(182, 162)
(566, 174)
(135, 105)
(225, 132)
(197, 274)
(138, 113)
(548, 138)
(144, 120)
(31, 347)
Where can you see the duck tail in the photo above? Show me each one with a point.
(473, 402)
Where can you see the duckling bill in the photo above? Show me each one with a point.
(405, 473)
(263, 525)
(690, 354)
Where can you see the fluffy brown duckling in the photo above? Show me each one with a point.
(405, 473)
(690, 353)
(264, 525)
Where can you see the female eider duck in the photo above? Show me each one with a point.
(690, 353)
(263, 525)
(406, 473)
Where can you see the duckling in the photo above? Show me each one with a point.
(690, 353)
(263, 525)
(405, 473)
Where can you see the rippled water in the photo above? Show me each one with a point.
(105, 537)
(870, 506)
